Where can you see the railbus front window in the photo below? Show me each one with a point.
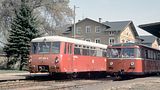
(40, 47)
(44, 47)
(56, 47)
(123, 53)
(128, 53)
(34, 48)
(113, 52)
(138, 53)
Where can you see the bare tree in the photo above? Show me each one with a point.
(52, 14)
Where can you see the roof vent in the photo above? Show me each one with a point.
(100, 20)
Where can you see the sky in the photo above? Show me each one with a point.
(139, 11)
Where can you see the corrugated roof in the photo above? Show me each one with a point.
(148, 39)
(153, 28)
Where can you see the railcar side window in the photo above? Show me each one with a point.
(65, 48)
(158, 56)
(146, 54)
(77, 51)
(69, 48)
(99, 53)
(85, 52)
(155, 55)
(104, 53)
(149, 54)
(89, 51)
(142, 51)
(56, 47)
(93, 52)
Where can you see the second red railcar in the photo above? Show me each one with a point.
(132, 59)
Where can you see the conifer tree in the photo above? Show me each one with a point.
(23, 30)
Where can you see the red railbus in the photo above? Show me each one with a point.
(132, 59)
(56, 54)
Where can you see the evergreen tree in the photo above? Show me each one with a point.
(23, 30)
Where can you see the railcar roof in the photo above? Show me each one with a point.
(66, 39)
(125, 44)
(131, 44)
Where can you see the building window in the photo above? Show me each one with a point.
(88, 29)
(98, 40)
(89, 40)
(111, 41)
(78, 30)
(97, 29)
(112, 33)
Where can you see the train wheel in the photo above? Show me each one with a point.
(117, 78)
(73, 75)
(90, 75)
(51, 73)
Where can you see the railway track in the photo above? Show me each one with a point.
(46, 83)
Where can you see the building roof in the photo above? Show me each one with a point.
(93, 21)
(117, 26)
(120, 26)
(148, 39)
(70, 27)
(111, 26)
(153, 28)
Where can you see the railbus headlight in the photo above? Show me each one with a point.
(30, 60)
(111, 63)
(34, 66)
(56, 60)
(132, 64)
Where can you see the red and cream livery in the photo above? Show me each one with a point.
(56, 54)
(132, 59)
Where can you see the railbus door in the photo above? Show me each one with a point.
(70, 56)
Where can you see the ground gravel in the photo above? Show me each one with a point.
(145, 83)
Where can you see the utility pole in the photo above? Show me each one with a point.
(74, 25)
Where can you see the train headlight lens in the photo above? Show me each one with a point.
(111, 63)
(30, 60)
(56, 60)
(132, 64)
(34, 66)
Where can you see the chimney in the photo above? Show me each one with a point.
(100, 20)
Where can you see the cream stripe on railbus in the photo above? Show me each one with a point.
(66, 39)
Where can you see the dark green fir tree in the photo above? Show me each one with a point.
(23, 30)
